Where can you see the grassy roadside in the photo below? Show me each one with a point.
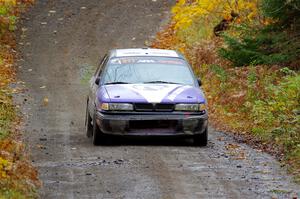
(259, 103)
(18, 179)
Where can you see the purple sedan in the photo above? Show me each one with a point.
(145, 92)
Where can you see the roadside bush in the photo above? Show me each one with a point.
(260, 100)
(276, 41)
(194, 20)
(7, 115)
(18, 179)
(279, 112)
(259, 47)
(285, 12)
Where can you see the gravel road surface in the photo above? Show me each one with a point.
(60, 41)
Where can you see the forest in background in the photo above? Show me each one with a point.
(247, 53)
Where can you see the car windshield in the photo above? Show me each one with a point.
(147, 70)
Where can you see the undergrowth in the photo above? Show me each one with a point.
(259, 101)
(18, 179)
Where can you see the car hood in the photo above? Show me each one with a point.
(150, 93)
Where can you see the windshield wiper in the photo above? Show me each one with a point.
(160, 82)
(109, 83)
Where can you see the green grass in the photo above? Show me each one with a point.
(7, 115)
(11, 193)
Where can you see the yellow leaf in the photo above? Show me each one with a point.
(45, 101)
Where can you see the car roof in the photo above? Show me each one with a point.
(151, 52)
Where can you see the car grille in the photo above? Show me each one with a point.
(147, 107)
(153, 124)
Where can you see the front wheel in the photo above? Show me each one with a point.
(201, 139)
(88, 123)
(98, 137)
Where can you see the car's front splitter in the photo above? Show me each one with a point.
(148, 124)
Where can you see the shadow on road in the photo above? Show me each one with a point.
(149, 141)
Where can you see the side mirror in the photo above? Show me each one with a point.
(199, 82)
(97, 81)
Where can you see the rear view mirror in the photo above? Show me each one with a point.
(97, 81)
(199, 82)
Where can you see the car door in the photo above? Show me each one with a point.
(93, 86)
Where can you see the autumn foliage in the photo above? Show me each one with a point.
(211, 11)
(259, 102)
(18, 179)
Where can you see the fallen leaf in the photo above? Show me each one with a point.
(3, 101)
(40, 146)
(232, 146)
(45, 101)
(147, 43)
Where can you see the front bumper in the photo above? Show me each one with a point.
(152, 124)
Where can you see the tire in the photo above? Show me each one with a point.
(201, 139)
(98, 137)
(88, 123)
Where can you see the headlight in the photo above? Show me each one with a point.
(116, 107)
(190, 107)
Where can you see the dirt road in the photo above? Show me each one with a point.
(59, 42)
